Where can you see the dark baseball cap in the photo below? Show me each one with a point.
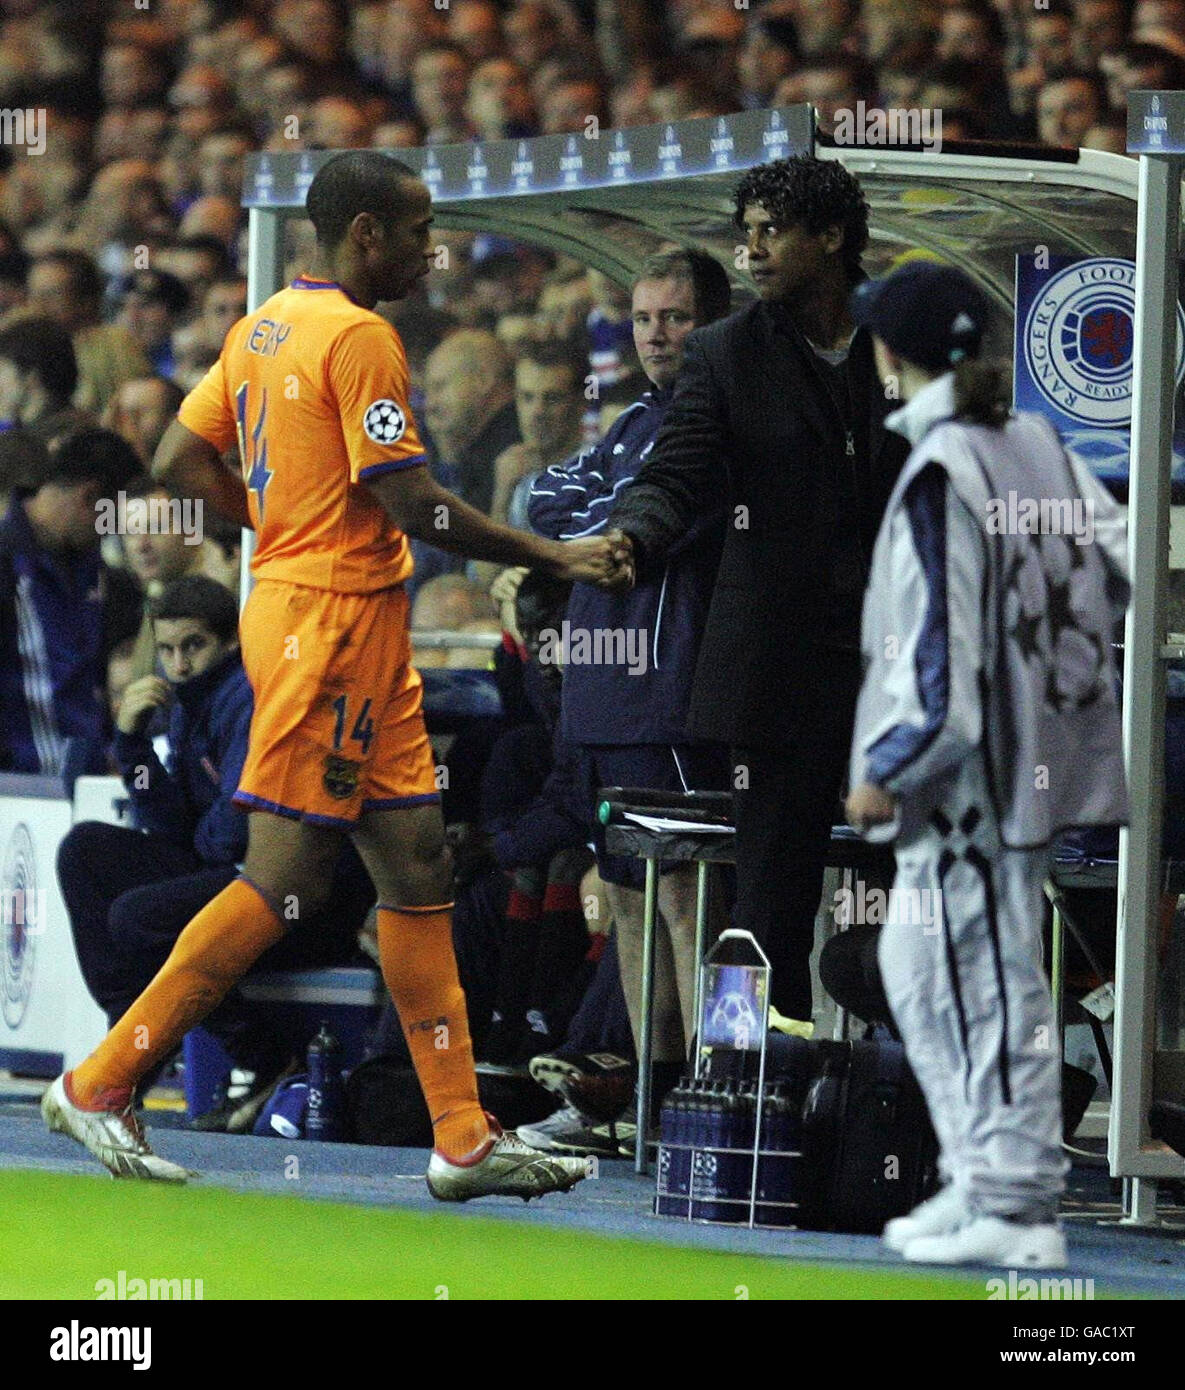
(157, 287)
(932, 315)
(89, 455)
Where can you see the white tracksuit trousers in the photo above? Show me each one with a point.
(960, 955)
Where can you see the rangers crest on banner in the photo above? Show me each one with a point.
(1074, 354)
(18, 922)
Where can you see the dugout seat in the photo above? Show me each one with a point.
(347, 999)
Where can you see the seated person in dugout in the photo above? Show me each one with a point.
(129, 892)
(627, 714)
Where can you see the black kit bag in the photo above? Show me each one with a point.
(869, 1150)
(871, 1153)
(384, 1104)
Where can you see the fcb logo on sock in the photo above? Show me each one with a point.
(341, 777)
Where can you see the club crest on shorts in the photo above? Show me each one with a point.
(340, 779)
(384, 422)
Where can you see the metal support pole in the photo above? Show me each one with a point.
(1057, 978)
(702, 889)
(646, 1022)
(1154, 380)
(1139, 1202)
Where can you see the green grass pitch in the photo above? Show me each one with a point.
(62, 1234)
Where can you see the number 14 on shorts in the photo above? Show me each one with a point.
(363, 730)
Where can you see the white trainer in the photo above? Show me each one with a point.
(990, 1240)
(506, 1168)
(946, 1211)
(115, 1137)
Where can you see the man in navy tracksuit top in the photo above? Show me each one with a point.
(629, 658)
(130, 893)
(61, 609)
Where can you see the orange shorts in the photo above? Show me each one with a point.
(338, 727)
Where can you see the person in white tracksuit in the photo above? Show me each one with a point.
(988, 720)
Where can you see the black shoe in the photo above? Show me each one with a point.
(599, 1084)
(242, 1098)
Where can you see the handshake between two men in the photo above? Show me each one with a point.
(606, 561)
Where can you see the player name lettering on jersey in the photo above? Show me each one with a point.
(267, 337)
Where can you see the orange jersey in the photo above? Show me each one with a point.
(315, 390)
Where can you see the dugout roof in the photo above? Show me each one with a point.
(612, 200)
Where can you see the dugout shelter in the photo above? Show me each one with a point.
(609, 198)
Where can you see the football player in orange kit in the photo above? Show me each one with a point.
(314, 388)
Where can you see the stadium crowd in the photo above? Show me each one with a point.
(122, 266)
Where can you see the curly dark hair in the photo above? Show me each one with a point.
(815, 193)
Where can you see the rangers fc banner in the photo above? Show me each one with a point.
(1073, 353)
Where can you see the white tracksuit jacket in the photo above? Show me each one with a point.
(989, 711)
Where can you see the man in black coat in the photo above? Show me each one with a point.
(779, 406)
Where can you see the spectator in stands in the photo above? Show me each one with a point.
(899, 33)
(152, 305)
(469, 409)
(157, 551)
(128, 77)
(1109, 135)
(565, 301)
(337, 123)
(287, 98)
(499, 105)
(1159, 21)
(224, 305)
(406, 133)
(141, 410)
(830, 82)
(769, 52)
(67, 286)
(828, 26)
(1067, 106)
(192, 356)
(222, 552)
(610, 330)
(1100, 26)
(61, 608)
(1049, 47)
(970, 32)
(38, 377)
(197, 262)
(440, 81)
(628, 717)
(446, 604)
(778, 409)
(1140, 67)
(203, 99)
(476, 26)
(220, 219)
(125, 208)
(143, 132)
(129, 892)
(220, 158)
(709, 53)
(572, 104)
(549, 381)
(533, 33)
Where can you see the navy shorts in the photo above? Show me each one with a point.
(657, 767)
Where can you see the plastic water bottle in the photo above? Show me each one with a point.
(674, 1164)
(779, 1167)
(324, 1118)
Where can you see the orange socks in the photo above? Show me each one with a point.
(212, 954)
(420, 968)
